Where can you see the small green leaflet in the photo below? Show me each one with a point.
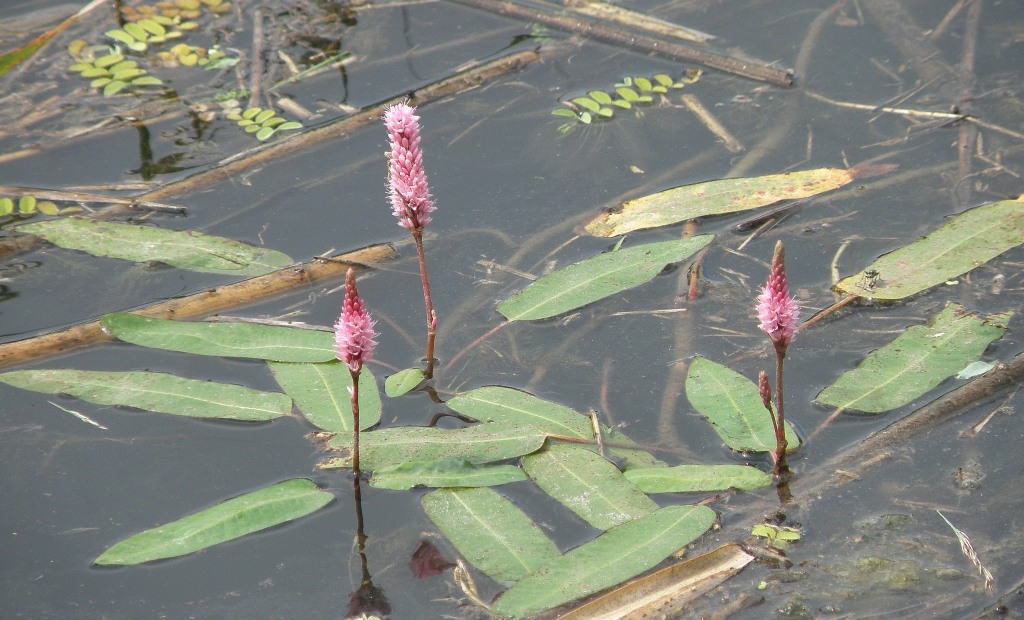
(143, 244)
(970, 239)
(228, 520)
(320, 391)
(490, 532)
(733, 406)
(484, 443)
(915, 362)
(587, 484)
(617, 555)
(403, 381)
(155, 391)
(595, 278)
(444, 473)
(250, 340)
(723, 196)
(698, 478)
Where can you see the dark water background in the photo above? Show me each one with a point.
(505, 178)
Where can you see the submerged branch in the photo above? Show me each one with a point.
(203, 303)
(637, 42)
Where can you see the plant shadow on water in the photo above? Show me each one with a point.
(518, 196)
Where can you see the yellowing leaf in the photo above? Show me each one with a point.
(723, 196)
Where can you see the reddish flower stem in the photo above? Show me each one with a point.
(417, 236)
(354, 397)
(779, 419)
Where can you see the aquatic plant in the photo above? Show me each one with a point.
(627, 93)
(262, 122)
(410, 198)
(354, 340)
(779, 317)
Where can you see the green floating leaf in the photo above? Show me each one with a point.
(698, 478)
(733, 406)
(490, 532)
(587, 484)
(723, 196)
(513, 407)
(587, 281)
(155, 391)
(184, 249)
(6, 206)
(252, 512)
(486, 443)
(588, 104)
(617, 555)
(915, 362)
(249, 340)
(970, 239)
(27, 204)
(446, 473)
(320, 391)
(403, 382)
(263, 123)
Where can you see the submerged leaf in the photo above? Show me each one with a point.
(228, 520)
(615, 556)
(249, 340)
(723, 196)
(970, 239)
(732, 404)
(918, 360)
(320, 391)
(490, 532)
(155, 391)
(595, 278)
(184, 249)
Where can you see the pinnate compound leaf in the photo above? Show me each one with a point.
(155, 391)
(490, 532)
(698, 478)
(915, 362)
(320, 391)
(617, 555)
(485, 443)
(732, 404)
(445, 473)
(234, 518)
(587, 484)
(505, 405)
(595, 278)
(183, 249)
(723, 196)
(970, 239)
(249, 340)
(403, 382)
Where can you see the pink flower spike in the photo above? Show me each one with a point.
(407, 181)
(776, 308)
(353, 332)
